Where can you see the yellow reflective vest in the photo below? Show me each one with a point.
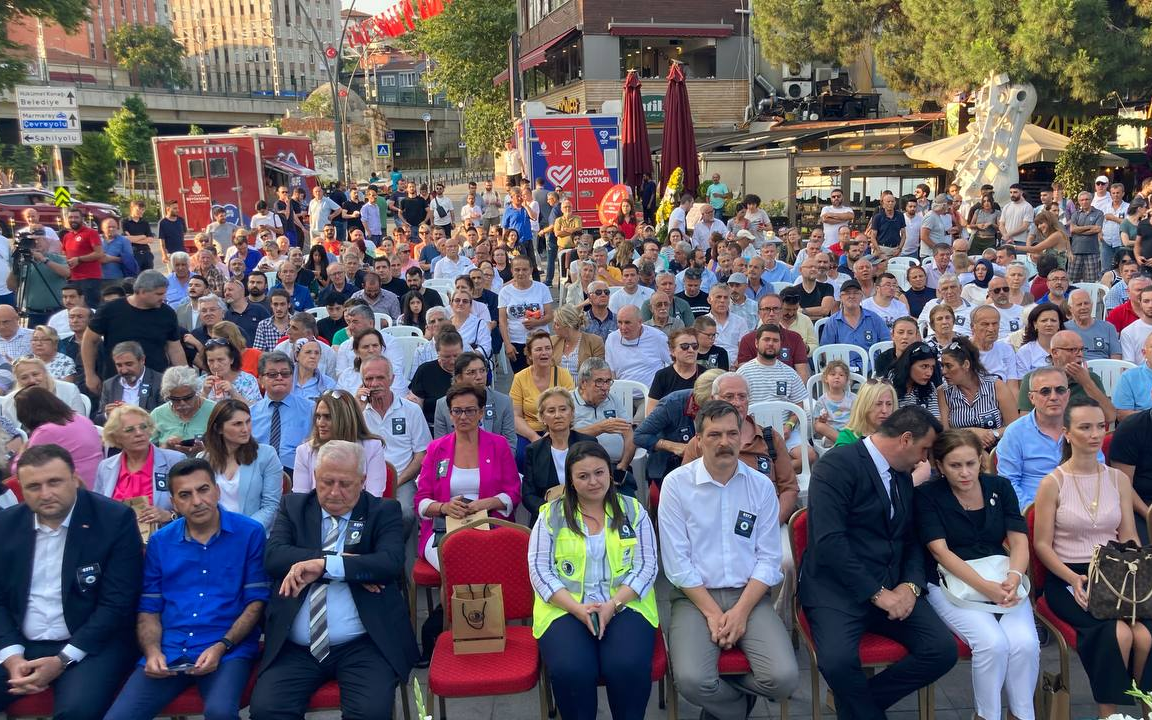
(570, 555)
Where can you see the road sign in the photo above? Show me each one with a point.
(63, 198)
(383, 150)
(48, 115)
(461, 145)
(330, 52)
(390, 135)
(427, 118)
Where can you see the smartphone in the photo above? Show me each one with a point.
(466, 501)
(181, 668)
(188, 443)
(596, 624)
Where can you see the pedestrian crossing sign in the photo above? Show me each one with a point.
(383, 150)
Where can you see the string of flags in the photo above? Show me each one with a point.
(395, 20)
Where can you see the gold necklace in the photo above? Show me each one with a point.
(1092, 508)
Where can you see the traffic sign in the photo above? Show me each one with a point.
(63, 198)
(390, 135)
(383, 150)
(427, 118)
(47, 115)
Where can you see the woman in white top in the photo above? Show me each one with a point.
(472, 329)
(32, 372)
(525, 306)
(367, 344)
(1045, 320)
(338, 417)
(577, 293)
(249, 474)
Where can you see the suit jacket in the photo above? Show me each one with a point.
(540, 472)
(854, 547)
(108, 473)
(184, 317)
(590, 346)
(113, 391)
(103, 545)
(377, 559)
(498, 418)
(497, 475)
(669, 420)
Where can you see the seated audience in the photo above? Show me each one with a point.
(875, 401)
(915, 376)
(571, 345)
(527, 384)
(140, 469)
(32, 372)
(248, 473)
(1133, 391)
(472, 369)
(971, 397)
(601, 416)
(543, 463)
(181, 421)
(45, 348)
(309, 381)
(834, 406)
(49, 421)
(1044, 321)
(682, 373)
(280, 419)
(133, 383)
(225, 380)
(432, 379)
(338, 417)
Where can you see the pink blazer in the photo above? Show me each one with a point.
(498, 474)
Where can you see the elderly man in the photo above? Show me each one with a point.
(1133, 392)
(210, 311)
(853, 325)
(1084, 227)
(208, 552)
(452, 264)
(599, 415)
(1132, 337)
(793, 350)
(661, 317)
(15, 341)
(666, 283)
(1101, 341)
(722, 564)
(948, 292)
(773, 269)
(729, 328)
(1067, 350)
(636, 351)
(1011, 314)
(401, 424)
(336, 560)
(179, 265)
(133, 383)
(997, 356)
(281, 418)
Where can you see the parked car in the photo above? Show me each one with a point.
(14, 201)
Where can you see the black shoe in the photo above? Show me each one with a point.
(1042, 633)
(751, 701)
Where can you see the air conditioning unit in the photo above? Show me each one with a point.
(797, 90)
(824, 74)
(797, 71)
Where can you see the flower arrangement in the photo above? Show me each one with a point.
(418, 698)
(1143, 699)
(672, 193)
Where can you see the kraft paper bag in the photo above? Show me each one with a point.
(477, 619)
(451, 523)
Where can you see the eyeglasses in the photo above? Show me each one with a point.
(1047, 391)
(182, 399)
(461, 301)
(133, 429)
(689, 346)
(464, 412)
(600, 292)
(998, 290)
(1073, 350)
(708, 335)
(603, 382)
(274, 374)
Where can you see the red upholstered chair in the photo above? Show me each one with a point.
(876, 651)
(327, 697)
(1064, 633)
(661, 672)
(496, 556)
(14, 485)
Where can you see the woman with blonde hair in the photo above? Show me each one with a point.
(30, 371)
(45, 341)
(140, 469)
(571, 346)
(338, 417)
(576, 293)
(875, 401)
(1051, 239)
(544, 458)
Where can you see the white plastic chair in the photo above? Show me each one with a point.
(902, 262)
(402, 331)
(901, 274)
(383, 320)
(818, 326)
(624, 392)
(856, 357)
(408, 347)
(876, 349)
(444, 286)
(780, 285)
(318, 312)
(270, 276)
(1096, 291)
(1109, 371)
(773, 413)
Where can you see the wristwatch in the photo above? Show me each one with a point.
(618, 605)
(65, 660)
(228, 644)
(914, 588)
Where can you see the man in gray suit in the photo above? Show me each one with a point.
(133, 383)
(188, 314)
(472, 369)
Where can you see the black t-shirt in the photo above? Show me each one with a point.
(353, 223)
(430, 383)
(397, 287)
(1144, 238)
(328, 327)
(717, 357)
(138, 227)
(1130, 446)
(814, 298)
(414, 210)
(171, 234)
(248, 320)
(118, 321)
(699, 304)
(667, 380)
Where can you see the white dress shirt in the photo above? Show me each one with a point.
(450, 270)
(883, 468)
(701, 522)
(638, 359)
(44, 618)
(131, 394)
(728, 333)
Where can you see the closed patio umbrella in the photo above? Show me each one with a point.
(678, 149)
(635, 152)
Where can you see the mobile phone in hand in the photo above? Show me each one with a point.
(181, 668)
(596, 624)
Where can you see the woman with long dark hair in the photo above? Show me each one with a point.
(412, 310)
(973, 398)
(248, 473)
(318, 264)
(1044, 321)
(337, 416)
(916, 377)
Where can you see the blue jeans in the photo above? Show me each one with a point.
(1106, 253)
(576, 661)
(145, 697)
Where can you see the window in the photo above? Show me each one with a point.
(564, 64)
(196, 169)
(650, 57)
(537, 9)
(408, 79)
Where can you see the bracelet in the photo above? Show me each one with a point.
(1018, 573)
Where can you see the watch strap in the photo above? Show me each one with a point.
(65, 659)
(228, 644)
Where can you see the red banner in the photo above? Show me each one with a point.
(393, 21)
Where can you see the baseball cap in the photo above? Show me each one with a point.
(850, 285)
(1103, 179)
(738, 279)
(746, 234)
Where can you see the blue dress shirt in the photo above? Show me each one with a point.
(870, 330)
(1025, 455)
(121, 248)
(1134, 389)
(301, 298)
(295, 424)
(200, 590)
(343, 617)
(780, 273)
(519, 221)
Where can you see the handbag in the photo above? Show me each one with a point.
(993, 568)
(1120, 582)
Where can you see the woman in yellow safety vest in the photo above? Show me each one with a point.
(592, 561)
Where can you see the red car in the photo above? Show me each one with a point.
(14, 201)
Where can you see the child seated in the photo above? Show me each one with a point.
(832, 408)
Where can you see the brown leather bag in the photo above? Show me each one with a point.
(1120, 582)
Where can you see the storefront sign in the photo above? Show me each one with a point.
(568, 105)
(653, 109)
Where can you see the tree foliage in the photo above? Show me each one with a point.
(466, 45)
(1074, 51)
(94, 168)
(152, 53)
(131, 131)
(20, 162)
(1081, 158)
(68, 14)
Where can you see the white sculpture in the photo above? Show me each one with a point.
(989, 157)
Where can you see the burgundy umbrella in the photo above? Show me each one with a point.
(679, 146)
(635, 153)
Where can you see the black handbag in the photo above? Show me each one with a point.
(1120, 582)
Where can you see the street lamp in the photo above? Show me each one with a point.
(427, 118)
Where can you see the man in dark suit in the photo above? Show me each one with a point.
(864, 571)
(133, 383)
(69, 583)
(188, 312)
(336, 560)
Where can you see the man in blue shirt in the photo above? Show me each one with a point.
(1134, 389)
(203, 595)
(516, 218)
(853, 325)
(118, 261)
(281, 418)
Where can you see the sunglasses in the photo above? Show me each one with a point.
(601, 292)
(1047, 391)
(276, 374)
(216, 342)
(689, 346)
(181, 399)
(998, 290)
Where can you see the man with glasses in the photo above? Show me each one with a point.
(835, 216)
(1057, 288)
(793, 351)
(1068, 355)
(601, 320)
(600, 415)
(1101, 341)
(1011, 314)
(472, 369)
(281, 418)
(661, 317)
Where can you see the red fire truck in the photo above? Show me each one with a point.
(230, 170)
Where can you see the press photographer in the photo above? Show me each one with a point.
(37, 276)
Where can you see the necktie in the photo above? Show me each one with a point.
(274, 434)
(893, 494)
(318, 602)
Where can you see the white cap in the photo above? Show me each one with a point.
(1103, 179)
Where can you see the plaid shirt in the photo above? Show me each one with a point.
(19, 346)
(268, 335)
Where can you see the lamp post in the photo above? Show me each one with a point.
(463, 146)
(333, 82)
(427, 118)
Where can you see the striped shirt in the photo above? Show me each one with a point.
(772, 382)
(913, 398)
(983, 412)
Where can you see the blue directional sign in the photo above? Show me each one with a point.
(383, 150)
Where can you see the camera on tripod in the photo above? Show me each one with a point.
(25, 245)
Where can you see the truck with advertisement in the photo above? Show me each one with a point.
(579, 154)
(230, 170)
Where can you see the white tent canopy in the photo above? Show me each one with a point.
(1036, 145)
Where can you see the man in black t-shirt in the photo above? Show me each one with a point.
(1131, 454)
(432, 379)
(414, 211)
(143, 317)
(139, 234)
(817, 299)
(691, 294)
(171, 231)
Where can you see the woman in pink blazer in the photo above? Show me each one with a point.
(465, 471)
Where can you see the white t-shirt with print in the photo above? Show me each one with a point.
(519, 303)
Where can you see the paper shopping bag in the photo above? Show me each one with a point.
(1055, 700)
(451, 523)
(477, 619)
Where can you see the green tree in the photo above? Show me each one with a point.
(94, 167)
(20, 162)
(195, 129)
(1074, 51)
(465, 44)
(68, 14)
(130, 130)
(152, 53)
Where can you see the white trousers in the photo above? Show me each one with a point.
(1005, 653)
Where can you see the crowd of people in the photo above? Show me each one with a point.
(916, 382)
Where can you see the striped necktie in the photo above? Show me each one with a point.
(318, 602)
(274, 433)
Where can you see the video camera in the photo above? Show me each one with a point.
(25, 245)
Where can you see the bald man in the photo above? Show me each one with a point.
(636, 351)
(1068, 355)
(15, 341)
